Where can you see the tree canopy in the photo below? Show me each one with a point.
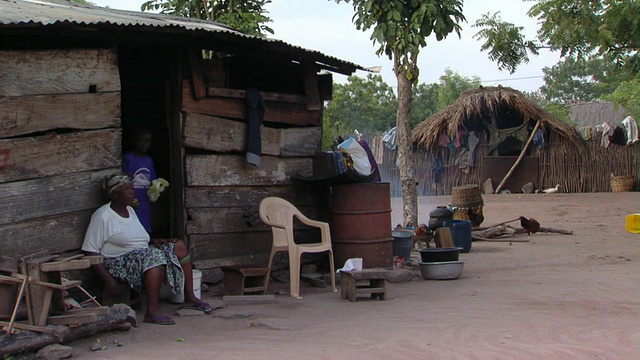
(401, 29)
(599, 42)
(248, 16)
(576, 28)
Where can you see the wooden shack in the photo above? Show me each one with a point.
(76, 80)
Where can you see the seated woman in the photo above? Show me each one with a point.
(116, 233)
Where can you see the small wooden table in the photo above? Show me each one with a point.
(242, 279)
(363, 282)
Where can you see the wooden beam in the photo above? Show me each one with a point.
(58, 71)
(32, 199)
(276, 112)
(311, 87)
(71, 319)
(8, 264)
(65, 265)
(268, 96)
(218, 134)
(194, 55)
(20, 115)
(305, 141)
(238, 196)
(20, 326)
(232, 170)
(54, 233)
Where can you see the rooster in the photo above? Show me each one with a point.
(530, 225)
(421, 236)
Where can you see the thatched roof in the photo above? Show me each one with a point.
(595, 113)
(475, 105)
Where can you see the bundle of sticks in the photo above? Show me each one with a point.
(503, 232)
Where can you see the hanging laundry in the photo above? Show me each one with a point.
(587, 132)
(443, 140)
(606, 131)
(461, 138)
(538, 138)
(472, 141)
(619, 137)
(438, 166)
(632, 130)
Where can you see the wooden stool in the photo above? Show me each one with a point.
(242, 279)
(364, 282)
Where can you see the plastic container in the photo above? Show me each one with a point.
(197, 280)
(402, 244)
(632, 223)
(461, 233)
(440, 254)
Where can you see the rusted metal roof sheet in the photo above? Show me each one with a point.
(46, 13)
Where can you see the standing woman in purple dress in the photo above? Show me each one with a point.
(139, 166)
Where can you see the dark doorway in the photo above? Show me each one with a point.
(145, 72)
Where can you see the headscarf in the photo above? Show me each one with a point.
(114, 181)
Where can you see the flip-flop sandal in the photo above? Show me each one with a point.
(161, 320)
(200, 306)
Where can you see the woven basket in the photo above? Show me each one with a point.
(621, 183)
(466, 196)
(473, 214)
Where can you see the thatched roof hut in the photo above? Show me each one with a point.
(504, 107)
(594, 113)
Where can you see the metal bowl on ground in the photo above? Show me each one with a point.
(440, 254)
(445, 270)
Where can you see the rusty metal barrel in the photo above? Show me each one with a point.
(361, 224)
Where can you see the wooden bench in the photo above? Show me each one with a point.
(243, 279)
(366, 282)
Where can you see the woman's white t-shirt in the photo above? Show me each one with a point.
(111, 235)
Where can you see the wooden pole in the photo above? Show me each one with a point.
(524, 151)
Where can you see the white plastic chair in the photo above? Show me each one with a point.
(279, 214)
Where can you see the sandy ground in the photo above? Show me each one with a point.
(555, 297)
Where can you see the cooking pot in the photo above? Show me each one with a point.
(438, 216)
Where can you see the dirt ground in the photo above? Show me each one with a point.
(555, 297)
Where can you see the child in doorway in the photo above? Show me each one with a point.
(139, 166)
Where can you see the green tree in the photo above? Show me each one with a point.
(400, 28)
(581, 79)
(366, 104)
(248, 16)
(627, 95)
(598, 40)
(424, 102)
(452, 85)
(555, 108)
(576, 28)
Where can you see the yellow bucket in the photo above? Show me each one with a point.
(632, 223)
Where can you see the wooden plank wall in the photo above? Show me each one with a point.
(59, 136)
(588, 170)
(223, 192)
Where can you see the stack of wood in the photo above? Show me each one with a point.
(502, 232)
(37, 280)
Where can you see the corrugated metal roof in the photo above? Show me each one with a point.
(55, 12)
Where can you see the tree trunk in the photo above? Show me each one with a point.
(405, 150)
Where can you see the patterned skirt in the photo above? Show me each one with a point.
(131, 266)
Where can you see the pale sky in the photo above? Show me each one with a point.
(325, 26)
